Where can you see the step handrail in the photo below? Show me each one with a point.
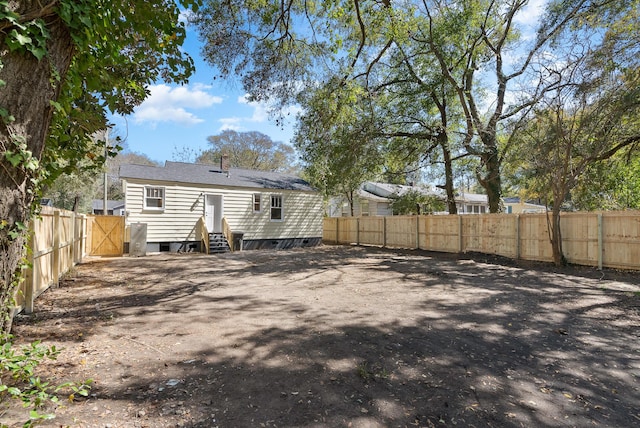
(203, 234)
(228, 234)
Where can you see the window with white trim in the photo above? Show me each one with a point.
(257, 198)
(276, 208)
(345, 209)
(364, 207)
(154, 198)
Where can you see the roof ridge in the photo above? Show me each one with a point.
(195, 174)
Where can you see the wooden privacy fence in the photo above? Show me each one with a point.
(606, 239)
(58, 240)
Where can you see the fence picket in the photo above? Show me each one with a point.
(56, 242)
(604, 239)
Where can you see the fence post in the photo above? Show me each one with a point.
(427, 232)
(600, 243)
(30, 274)
(74, 238)
(83, 225)
(85, 235)
(384, 231)
(337, 230)
(55, 266)
(517, 236)
(460, 243)
(417, 232)
(357, 230)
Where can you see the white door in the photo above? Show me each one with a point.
(213, 213)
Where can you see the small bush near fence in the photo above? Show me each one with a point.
(607, 239)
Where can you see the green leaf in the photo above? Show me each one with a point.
(20, 39)
(56, 105)
(13, 158)
(38, 52)
(32, 164)
(14, 391)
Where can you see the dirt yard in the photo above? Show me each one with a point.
(342, 337)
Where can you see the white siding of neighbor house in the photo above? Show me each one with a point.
(340, 207)
(524, 208)
(381, 208)
(375, 208)
(184, 205)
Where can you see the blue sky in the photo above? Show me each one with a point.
(177, 116)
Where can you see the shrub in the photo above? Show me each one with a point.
(18, 379)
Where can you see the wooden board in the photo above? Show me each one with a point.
(611, 239)
(107, 235)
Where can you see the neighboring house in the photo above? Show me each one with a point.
(472, 203)
(364, 204)
(271, 210)
(113, 207)
(375, 198)
(516, 206)
(372, 199)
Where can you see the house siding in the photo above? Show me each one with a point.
(302, 215)
(184, 205)
(376, 208)
(525, 208)
(382, 209)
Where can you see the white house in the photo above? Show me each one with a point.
(472, 203)
(514, 205)
(113, 207)
(374, 198)
(364, 204)
(269, 210)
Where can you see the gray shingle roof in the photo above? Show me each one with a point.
(189, 173)
(97, 204)
(371, 196)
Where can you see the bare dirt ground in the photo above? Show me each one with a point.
(342, 337)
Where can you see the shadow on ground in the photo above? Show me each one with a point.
(344, 336)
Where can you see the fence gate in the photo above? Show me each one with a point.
(107, 235)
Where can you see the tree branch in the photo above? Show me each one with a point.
(41, 12)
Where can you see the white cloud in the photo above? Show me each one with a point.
(172, 104)
(260, 115)
(231, 123)
(531, 13)
(185, 15)
(260, 110)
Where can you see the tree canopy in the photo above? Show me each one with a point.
(63, 65)
(472, 52)
(250, 150)
(454, 80)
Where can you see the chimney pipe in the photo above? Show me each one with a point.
(224, 163)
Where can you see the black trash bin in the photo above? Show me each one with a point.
(237, 238)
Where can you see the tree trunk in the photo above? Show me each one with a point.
(556, 237)
(559, 186)
(350, 197)
(27, 95)
(492, 181)
(448, 173)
